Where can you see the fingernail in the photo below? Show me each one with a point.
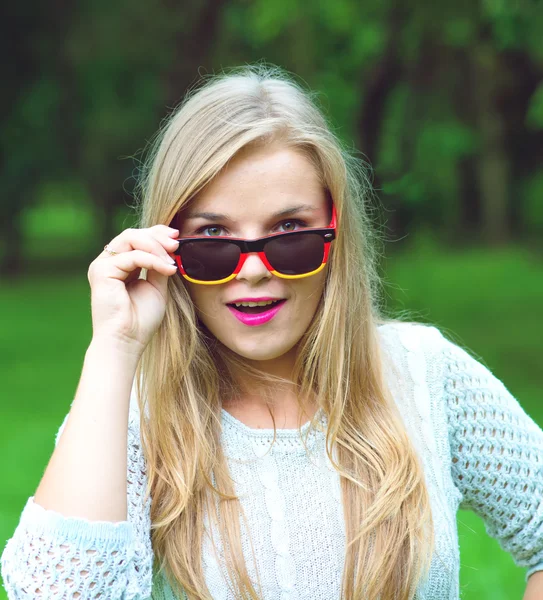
(171, 260)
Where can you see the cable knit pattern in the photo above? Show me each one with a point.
(52, 556)
(478, 448)
(498, 457)
(268, 480)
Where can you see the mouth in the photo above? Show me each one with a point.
(255, 313)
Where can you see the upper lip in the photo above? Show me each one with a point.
(264, 299)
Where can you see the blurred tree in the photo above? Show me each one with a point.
(195, 27)
(117, 53)
(29, 104)
(130, 63)
(445, 101)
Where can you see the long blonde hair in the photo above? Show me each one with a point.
(184, 375)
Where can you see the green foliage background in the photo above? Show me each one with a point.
(444, 101)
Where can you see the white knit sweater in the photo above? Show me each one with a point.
(479, 450)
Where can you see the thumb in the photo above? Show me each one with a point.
(158, 281)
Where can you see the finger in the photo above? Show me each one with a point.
(135, 275)
(167, 230)
(121, 266)
(158, 281)
(154, 240)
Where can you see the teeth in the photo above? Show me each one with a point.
(255, 303)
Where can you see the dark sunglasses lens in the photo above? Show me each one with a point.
(209, 260)
(296, 254)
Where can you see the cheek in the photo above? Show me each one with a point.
(313, 287)
(203, 296)
(308, 296)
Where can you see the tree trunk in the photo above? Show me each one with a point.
(469, 210)
(191, 48)
(378, 86)
(493, 162)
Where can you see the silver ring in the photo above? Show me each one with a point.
(106, 248)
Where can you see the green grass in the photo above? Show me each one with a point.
(491, 301)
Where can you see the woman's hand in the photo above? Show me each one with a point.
(125, 309)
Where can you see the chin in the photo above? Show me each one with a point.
(260, 352)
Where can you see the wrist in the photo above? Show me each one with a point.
(116, 349)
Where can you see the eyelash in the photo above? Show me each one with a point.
(200, 230)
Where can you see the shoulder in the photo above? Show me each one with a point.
(429, 339)
(412, 337)
(412, 361)
(434, 347)
(412, 355)
(406, 329)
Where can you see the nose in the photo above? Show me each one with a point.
(253, 269)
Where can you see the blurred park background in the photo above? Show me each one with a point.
(443, 100)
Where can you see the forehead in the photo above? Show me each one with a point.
(261, 181)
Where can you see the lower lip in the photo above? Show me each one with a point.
(257, 318)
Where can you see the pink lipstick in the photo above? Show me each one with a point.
(259, 318)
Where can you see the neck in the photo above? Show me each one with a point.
(282, 367)
(256, 398)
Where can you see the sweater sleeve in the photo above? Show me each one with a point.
(52, 556)
(497, 456)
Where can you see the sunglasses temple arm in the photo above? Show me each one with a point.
(333, 222)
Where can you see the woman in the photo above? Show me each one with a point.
(294, 442)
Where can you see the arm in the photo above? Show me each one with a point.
(534, 590)
(86, 476)
(497, 457)
(77, 538)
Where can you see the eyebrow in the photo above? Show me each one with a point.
(282, 213)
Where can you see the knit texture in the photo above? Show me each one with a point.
(479, 450)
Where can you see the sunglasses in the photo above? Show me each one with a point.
(290, 255)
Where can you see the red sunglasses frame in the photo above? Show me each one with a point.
(257, 247)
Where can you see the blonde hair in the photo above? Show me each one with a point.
(389, 526)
